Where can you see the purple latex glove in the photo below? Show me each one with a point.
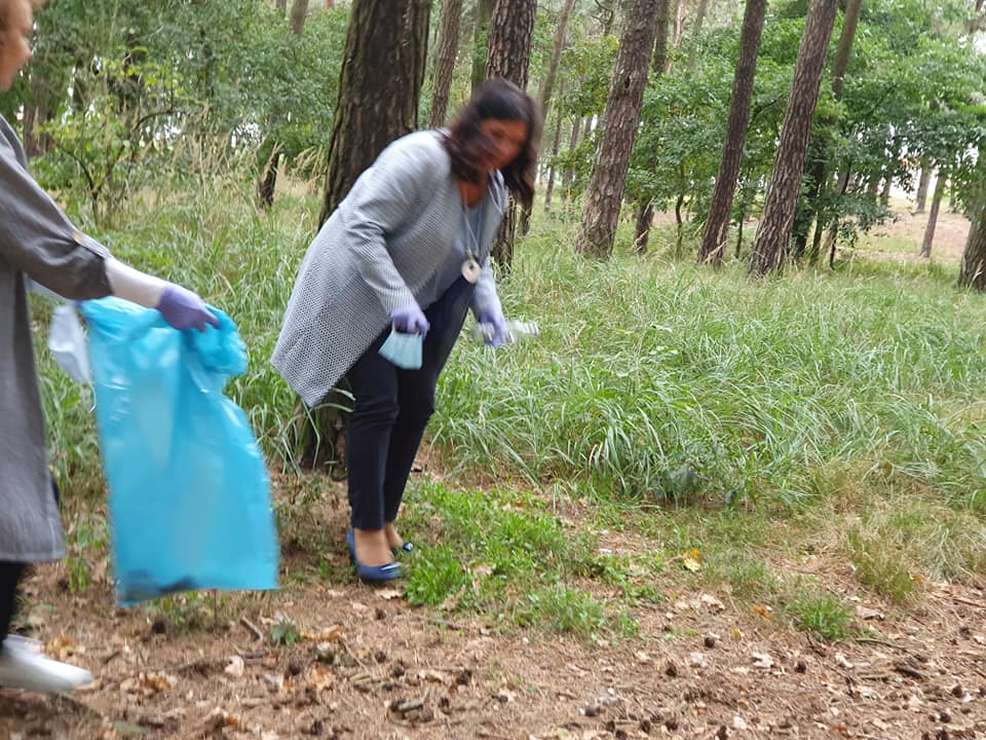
(496, 321)
(410, 320)
(183, 309)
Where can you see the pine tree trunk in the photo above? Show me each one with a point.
(299, 13)
(573, 142)
(888, 184)
(774, 231)
(659, 62)
(973, 271)
(268, 180)
(481, 41)
(922, 195)
(555, 145)
(642, 225)
(929, 230)
(547, 88)
(511, 34)
(717, 224)
(382, 72)
(609, 171)
(448, 50)
(810, 209)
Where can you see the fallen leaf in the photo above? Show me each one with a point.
(864, 612)
(691, 564)
(841, 660)
(762, 611)
(712, 603)
(235, 667)
(739, 723)
(389, 594)
(435, 676)
(696, 660)
(762, 661)
(642, 657)
(326, 634)
(320, 678)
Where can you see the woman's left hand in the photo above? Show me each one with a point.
(498, 335)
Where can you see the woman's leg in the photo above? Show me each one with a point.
(416, 394)
(373, 381)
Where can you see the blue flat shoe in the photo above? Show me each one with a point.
(371, 573)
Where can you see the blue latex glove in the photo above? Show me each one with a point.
(495, 320)
(183, 309)
(410, 320)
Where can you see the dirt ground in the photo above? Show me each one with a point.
(368, 665)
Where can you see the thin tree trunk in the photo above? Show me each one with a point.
(299, 13)
(642, 226)
(511, 35)
(922, 195)
(555, 145)
(268, 180)
(481, 41)
(820, 175)
(782, 195)
(329, 4)
(547, 88)
(929, 230)
(448, 50)
(717, 224)
(659, 62)
(282, 5)
(608, 181)
(573, 142)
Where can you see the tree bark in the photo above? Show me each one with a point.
(448, 50)
(642, 225)
(282, 5)
(923, 181)
(720, 211)
(973, 271)
(929, 230)
(268, 180)
(382, 71)
(511, 34)
(774, 231)
(299, 13)
(820, 176)
(547, 88)
(481, 41)
(659, 62)
(380, 82)
(555, 145)
(573, 142)
(609, 171)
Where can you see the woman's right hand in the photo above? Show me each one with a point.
(183, 309)
(410, 320)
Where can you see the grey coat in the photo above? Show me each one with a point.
(375, 254)
(37, 241)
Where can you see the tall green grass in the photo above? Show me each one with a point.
(653, 381)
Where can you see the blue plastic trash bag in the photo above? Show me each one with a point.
(189, 494)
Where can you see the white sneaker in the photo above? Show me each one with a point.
(24, 666)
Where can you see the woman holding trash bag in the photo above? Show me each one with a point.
(384, 289)
(39, 243)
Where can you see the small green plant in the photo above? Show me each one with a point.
(880, 566)
(285, 633)
(436, 576)
(822, 615)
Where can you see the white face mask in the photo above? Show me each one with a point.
(403, 350)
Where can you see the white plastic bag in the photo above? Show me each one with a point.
(67, 342)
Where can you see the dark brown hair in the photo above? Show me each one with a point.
(469, 147)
